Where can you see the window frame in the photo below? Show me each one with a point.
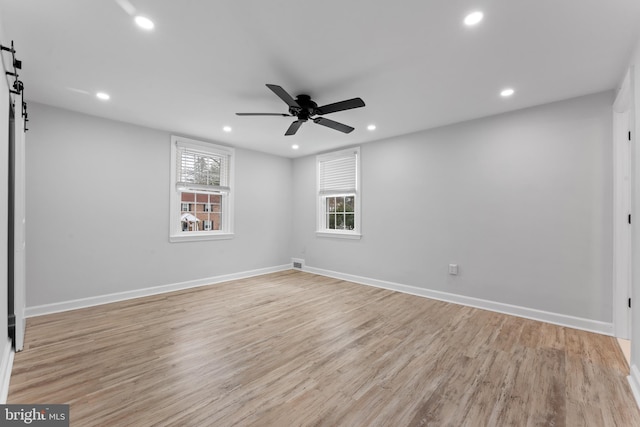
(226, 206)
(321, 196)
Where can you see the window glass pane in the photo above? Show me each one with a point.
(205, 216)
(207, 170)
(331, 204)
(188, 221)
(190, 225)
(332, 222)
(216, 202)
(348, 204)
(200, 168)
(340, 212)
(349, 222)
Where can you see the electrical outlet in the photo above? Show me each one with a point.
(453, 269)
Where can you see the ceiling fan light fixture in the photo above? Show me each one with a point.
(371, 127)
(227, 129)
(473, 18)
(295, 146)
(103, 96)
(144, 22)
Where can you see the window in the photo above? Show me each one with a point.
(201, 191)
(339, 194)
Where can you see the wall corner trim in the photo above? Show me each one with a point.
(6, 364)
(513, 310)
(634, 382)
(57, 307)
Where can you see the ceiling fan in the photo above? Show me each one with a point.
(304, 109)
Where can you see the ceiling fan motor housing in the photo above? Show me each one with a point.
(307, 108)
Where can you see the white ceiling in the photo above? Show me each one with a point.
(413, 62)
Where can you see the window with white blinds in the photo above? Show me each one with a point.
(201, 190)
(204, 171)
(338, 193)
(339, 175)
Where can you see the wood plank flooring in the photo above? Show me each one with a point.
(295, 349)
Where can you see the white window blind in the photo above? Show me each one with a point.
(198, 171)
(338, 174)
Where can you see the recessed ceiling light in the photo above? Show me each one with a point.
(473, 18)
(103, 96)
(144, 23)
(371, 127)
(295, 146)
(227, 128)
(507, 92)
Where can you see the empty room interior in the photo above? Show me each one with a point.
(274, 213)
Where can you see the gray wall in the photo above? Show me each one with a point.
(98, 211)
(521, 201)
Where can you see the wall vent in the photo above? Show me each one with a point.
(298, 264)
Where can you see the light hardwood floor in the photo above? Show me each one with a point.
(295, 349)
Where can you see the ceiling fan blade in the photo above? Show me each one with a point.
(340, 106)
(263, 114)
(333, 125)
(282, 94)
(294, 127)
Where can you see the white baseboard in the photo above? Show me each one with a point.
(634, 382)
(514, 310)
(6, 364)
(138, 293)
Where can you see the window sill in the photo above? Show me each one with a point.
(338, 235)
(200, 237)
